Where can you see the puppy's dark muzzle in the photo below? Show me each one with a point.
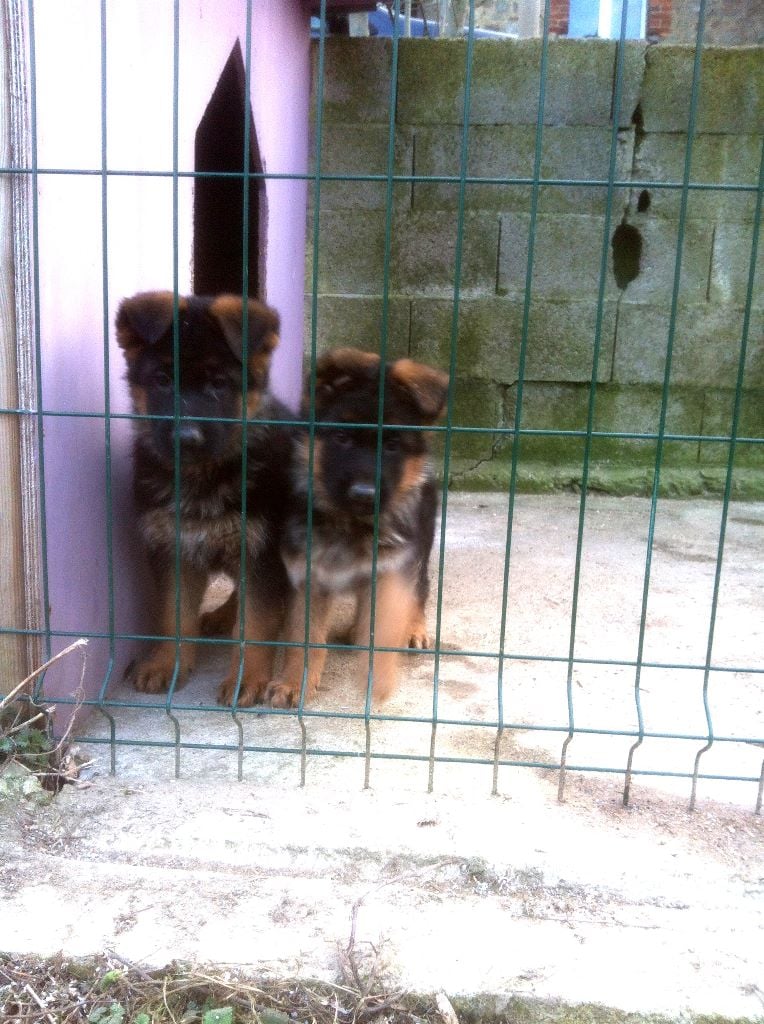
(361, 496)
(189, 435)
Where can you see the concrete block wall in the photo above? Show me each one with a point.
(568, 243)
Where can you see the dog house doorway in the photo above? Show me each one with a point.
(224, 259)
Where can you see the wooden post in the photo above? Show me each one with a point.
(19, 519)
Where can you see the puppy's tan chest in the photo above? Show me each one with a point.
(337, 565)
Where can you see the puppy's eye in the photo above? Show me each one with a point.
(342, 438)
(162, 379)
(391, 444)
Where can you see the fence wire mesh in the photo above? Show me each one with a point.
(490, 737)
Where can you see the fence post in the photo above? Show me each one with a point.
(13, 661)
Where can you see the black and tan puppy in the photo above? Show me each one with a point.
(344, 498)
(188, 433)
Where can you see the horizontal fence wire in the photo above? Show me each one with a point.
(565, 722)
(453, 428)
(396, 179)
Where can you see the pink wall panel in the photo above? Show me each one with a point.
(78, 354)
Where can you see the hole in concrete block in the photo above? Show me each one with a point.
(637, 118)
(643, 202)
(627, 250)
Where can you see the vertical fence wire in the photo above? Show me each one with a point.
(311, 387)
(245, 214)
(384, 327)
(685, 193)
(518, 412)
(107, 397)
(177, 408)
(728, 487)
(454, 343)
(597, 346)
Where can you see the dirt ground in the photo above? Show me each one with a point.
(648, 908)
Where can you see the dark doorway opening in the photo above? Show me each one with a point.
(219, 228)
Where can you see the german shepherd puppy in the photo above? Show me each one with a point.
(205, 500)
(344, 497)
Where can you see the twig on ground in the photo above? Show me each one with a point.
(130, 965)
(28, 988)
(82, 642)
(445, 1009)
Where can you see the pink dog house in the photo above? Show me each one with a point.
(124, 111)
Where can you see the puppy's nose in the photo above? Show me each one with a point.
(362, 493)
(189, 434)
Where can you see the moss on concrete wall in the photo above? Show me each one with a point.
(580, 255)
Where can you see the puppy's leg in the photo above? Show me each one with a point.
(395, 611)
(154, 674)
(284, 691)
(417, 632)
(220, 621)
(262, 622)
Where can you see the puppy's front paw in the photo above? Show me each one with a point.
(155, 673)
(251, 692)
(283, 694)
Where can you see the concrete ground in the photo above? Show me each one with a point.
(648, 908)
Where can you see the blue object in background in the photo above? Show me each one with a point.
(584, 19)
(381, 24)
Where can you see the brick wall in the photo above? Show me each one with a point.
(633, 330)
(559, 11)
(658, 21)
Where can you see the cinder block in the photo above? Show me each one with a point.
(358, 321)
(362, 149)
(731, 89)
(636, 410)
(424, 250)
(422, 256)
(559, 347)
(549, 407)
(508, 151)
(731, 266)
(567, 255)
(715, 160)
(706, 346)
(565, 408)
(717, 421)
(479, 404)
(351, 252)
(505, 81)
(660, 241)
(357, 78)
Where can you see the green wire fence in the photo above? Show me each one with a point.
(112, 702)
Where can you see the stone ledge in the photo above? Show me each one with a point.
(615, 479)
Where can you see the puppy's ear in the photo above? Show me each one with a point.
(144, 318)
(340, 367)
(424, 385)
(262, 325)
